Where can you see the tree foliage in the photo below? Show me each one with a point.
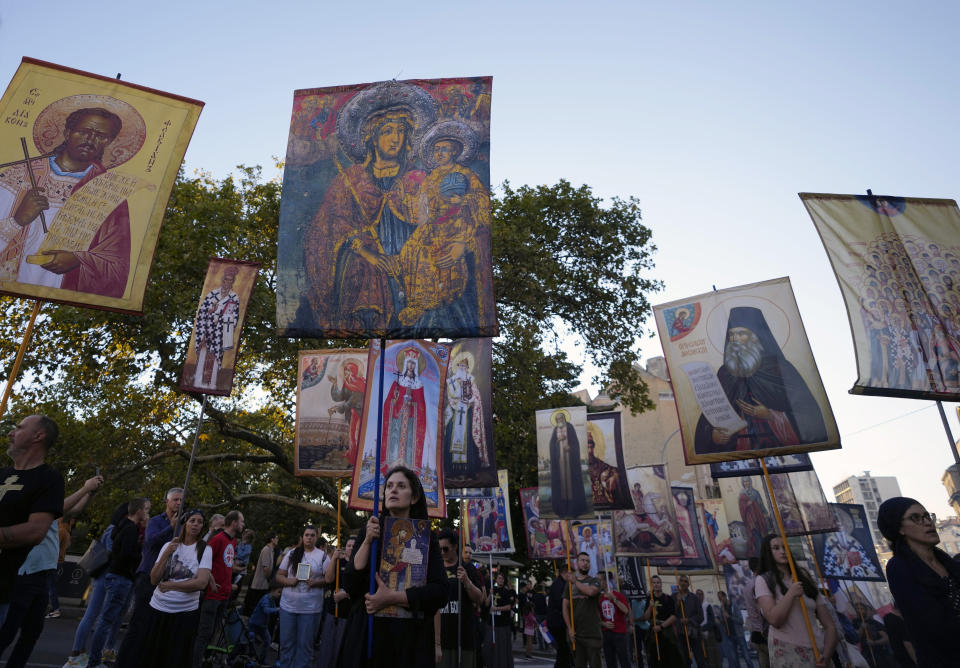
(563, 263)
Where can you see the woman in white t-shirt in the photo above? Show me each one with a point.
(779, 597)
(181, 572)
(301, 574)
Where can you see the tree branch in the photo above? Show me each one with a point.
(278, 498)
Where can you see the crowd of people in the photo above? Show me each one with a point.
(179, 576)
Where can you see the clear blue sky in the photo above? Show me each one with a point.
(715, 115)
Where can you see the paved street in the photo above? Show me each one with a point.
(57, 640)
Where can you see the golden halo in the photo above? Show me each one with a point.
(464, 355)
(49, 126)
(599, 441)
(561, 411)
(401, 359)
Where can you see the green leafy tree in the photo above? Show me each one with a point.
(564, 264)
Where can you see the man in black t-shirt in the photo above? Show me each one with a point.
(555, 618)
(661, 613)
(462, 601)
(498, 648)
(31, 497)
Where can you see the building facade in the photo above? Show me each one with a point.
(868, 491)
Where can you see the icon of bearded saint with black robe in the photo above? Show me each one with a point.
(764, 389)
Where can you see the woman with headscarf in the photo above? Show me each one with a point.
(777, 595)
(169, 629)
(924, 581)
(397, 641)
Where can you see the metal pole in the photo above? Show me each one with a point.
(193, 456)
(374, 545)
(946, 427)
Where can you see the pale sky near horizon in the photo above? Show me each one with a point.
(715, 115)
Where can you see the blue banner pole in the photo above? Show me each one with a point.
(375, 544)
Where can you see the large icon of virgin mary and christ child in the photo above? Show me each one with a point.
(394, 181)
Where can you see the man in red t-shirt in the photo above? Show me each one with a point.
(224, 547)
(614, 612)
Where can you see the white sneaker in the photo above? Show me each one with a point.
(78, 661)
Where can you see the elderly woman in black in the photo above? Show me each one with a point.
(396, 641)
(925, 582)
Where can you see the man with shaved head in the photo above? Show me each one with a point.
(31, 497)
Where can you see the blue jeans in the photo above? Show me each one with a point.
(94, 606)
(297, 631)
(52, 578)
(115, 600)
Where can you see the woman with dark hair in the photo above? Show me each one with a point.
(169, 627)
(301, 574)
(397, 641)
(777, 592)
(924, 581)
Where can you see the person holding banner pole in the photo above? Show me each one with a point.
(777, 589)
(499, 648)
(583, 616)
(663, 615)
(454, 623)
(394, 641)
(690, 622)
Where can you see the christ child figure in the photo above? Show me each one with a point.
(433, 261)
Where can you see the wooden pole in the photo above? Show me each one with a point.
(336, 584)
(863, 622)
(786, 549)
(653, 610)
(21, 351)
(683, 613)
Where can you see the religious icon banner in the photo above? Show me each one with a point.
(405, 556)
(897, 261)
(743, 374)
(215, 342)
(848, 554)
(815, 512)
(87, 164)
(650, 529)
(695, 555)
(749, 516)
(737, 576)
(781, 464)
(715, 526)
(562, 463)
(330, 389)
(385, 214)
(487, 518)
(608, 475)
(545, 537)
(412, 411)
(593, 537)
(631, 576)
(468, 456)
